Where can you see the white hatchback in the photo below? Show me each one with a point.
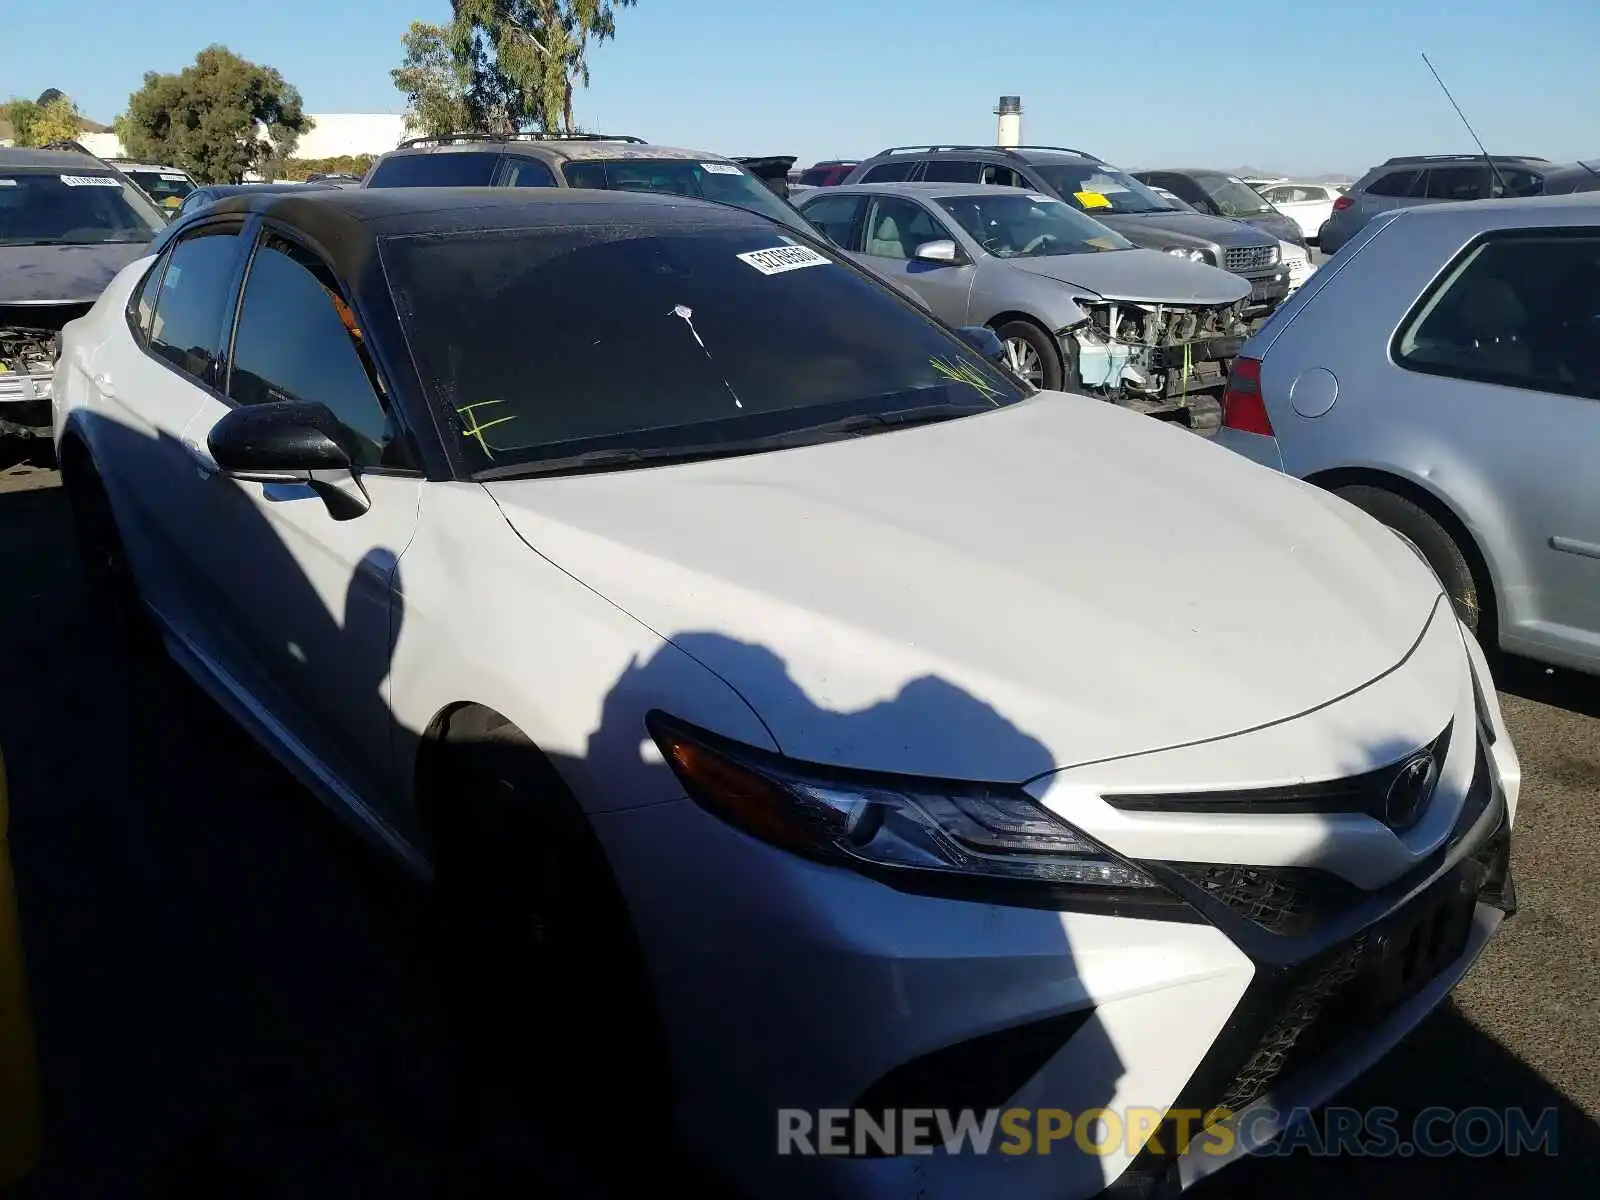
(790, 704)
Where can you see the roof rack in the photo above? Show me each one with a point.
(1427, 158)
(442, 139)
(1009, 151)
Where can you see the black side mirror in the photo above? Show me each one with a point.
(984, 340)
(291, 441)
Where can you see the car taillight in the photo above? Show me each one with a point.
(1342, 203)
(1242, 406)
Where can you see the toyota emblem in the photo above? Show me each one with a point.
(1410, 791)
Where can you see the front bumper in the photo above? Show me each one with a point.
(788, 985)
(1267, 291)
(25, 409)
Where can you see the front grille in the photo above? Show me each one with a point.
(1248, 258)
(1283, 900)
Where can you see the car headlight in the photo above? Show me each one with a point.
(914, 833)
(1198, 256)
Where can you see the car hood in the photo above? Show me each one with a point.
(1147, 228)
(948, 599)
(1276, 224)
(1143, 275)
(62, 274)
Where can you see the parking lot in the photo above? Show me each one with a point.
(233, 999)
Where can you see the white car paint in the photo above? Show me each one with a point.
(1308, 205)
(1298, 260)
(1059, 593)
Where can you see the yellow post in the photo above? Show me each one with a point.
(20, 1124)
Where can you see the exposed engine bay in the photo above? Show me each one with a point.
(27, 365)
(1149, 355)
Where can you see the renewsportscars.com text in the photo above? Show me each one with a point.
(1329, 1132)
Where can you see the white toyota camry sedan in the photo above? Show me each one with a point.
(807, 726)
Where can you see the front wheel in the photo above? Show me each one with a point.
(1032, 354)
(112, 586)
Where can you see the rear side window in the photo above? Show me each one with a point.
(1458, 183)
(1395, 183)
(298, 340)
(836, 217)
(1520, 309)
(187, 323)
(950, 170)
(454, 169)
(528, 172)
(998, 176)
(889, 172)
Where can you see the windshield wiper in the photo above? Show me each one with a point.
(655, 456)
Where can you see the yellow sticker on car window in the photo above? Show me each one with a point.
(1092, 200)
(1100, 243)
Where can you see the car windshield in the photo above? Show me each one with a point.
(1101, 189)
(47, 209)
(1030, 226)
(724, 182)
(1232, 198)
(166, 188)
(578, 347)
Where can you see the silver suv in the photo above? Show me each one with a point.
(611, 162)
(1414, 179)
(1110, 196)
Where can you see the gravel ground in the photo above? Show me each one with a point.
(233, 998)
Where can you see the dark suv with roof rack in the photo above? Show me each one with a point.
(1109, 195)
(1413, 179)
(610, 162)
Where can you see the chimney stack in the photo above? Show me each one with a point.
(1009, 130)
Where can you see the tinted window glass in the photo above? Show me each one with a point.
(510, 330)
(529, 172)
(144, 309)
(1518, 182)
(92, 208)
(166, 188)
(1011, 226)
(950, 170)
(889, 172)
(1229, 196)
(298, 340)
(450, 169)
(895, 228)
(1099, 188)
(193, 301)
(836, 217)
(1395, 183)
(723, 182)
(1001, 176)
(1458, 183)
(1521, 310)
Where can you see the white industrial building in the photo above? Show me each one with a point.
(332, 136)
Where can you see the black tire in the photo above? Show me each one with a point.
(112, 586)
(1052, 371)
(1444, 554)
(543, 986)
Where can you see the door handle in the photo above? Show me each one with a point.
(103, 385)
(204, 464)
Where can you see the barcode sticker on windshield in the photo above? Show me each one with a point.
(720, 168)
(89, 181)
(783, 258)
(174, 178)
(8, 183)
(1038, 199)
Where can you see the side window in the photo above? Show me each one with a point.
(836, 217)
(895, 228)
(1395, 183)
(1521, 310)
(187, 322)
(1281, 195)
(1458, 183)
(1518, 182)
(889, 172)
(528, 172)
(998, 176)
(144, 301)
(298, 340)
(464, 168)
(952, 170)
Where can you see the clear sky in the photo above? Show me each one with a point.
(1295, 85)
